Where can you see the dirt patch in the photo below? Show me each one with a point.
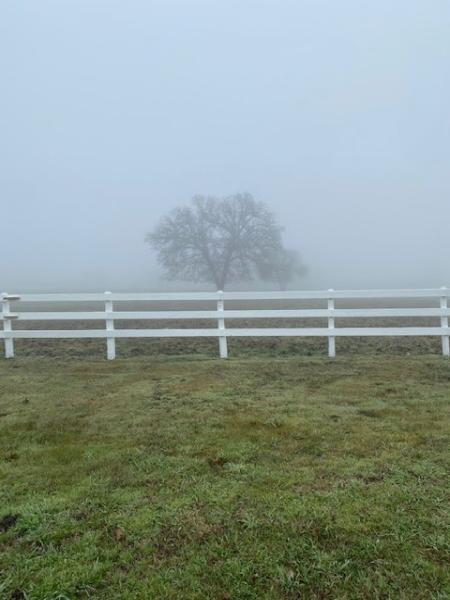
(11, 456)
(7, 522)
(373, 414)
(218, 461)
(170, 541)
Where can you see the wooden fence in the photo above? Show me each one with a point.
(14, 308)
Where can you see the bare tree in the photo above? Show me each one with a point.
(283, 266)
(217, 240)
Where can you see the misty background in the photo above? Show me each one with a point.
(336, 114)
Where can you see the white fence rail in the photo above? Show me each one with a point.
(437, 298)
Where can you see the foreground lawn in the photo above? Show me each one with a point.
(250, 478)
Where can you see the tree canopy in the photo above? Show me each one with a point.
(219, 240)
(283, 266)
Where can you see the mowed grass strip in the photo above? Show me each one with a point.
(242, 479)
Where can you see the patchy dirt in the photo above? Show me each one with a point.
(7, 522)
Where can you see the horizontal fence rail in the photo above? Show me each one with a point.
(14, 309)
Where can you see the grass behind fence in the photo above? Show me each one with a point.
(238, 347)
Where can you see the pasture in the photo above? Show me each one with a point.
(273, 475)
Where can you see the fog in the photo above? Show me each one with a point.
(336, 114)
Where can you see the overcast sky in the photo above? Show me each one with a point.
(336, 114)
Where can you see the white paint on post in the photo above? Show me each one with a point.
(223, 348)
(110, 340)
(331, 325)
(7, 327)
(444, 323)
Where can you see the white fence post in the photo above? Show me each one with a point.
(331, 325)
(110, 340)
(7, 325)
(223, 348)
(444, 323)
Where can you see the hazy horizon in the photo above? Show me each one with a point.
(334, 114)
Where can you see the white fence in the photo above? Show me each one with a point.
(436, 298)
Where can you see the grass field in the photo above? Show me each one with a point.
(292, 477)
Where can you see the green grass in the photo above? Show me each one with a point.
(253, 478)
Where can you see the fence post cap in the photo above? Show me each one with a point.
(6, 296)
